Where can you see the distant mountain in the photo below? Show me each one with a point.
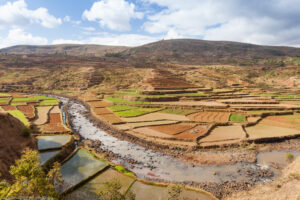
(184, 51)
(201, 51)
(69, 49)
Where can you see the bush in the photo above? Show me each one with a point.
(289, 157)
(26, 132)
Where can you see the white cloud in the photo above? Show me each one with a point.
(17, 14)
(17, 36)
(67, 18)
(110, 39)
(114, 14)
(273, 22)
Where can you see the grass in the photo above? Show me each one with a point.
(116, 108)
(136, 112)
(123, 170)
(188, 95)
(120, 100)
(237, 118)
(18, 104)
(50, 102)
(4, 95)
(264, 111)
(178, 112)
(4, 100)
(36, 98)
(18, 114)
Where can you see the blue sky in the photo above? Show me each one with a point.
(137, 22)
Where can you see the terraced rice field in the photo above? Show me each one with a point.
(55, 109)
(19, 115)
(266, 129)
(89, 191)
(156, 117)
(45, 156)
(100, 104)
(194, 133)
(102, 111)
(152, 133)
(136, 112)
(110, 118)
(116, 108)
(28, 111)
(50, 102)
(8, 107)
(48, 142)
(174, 128)
(218, 117)
(151, 123)
(55, 124)
(42, 114)
(221, 134)
(79, 167)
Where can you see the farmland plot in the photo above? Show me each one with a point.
(42, 114)
(28, 110)
(55, 124)
(52, 141)
(218, 117)
(79, 167)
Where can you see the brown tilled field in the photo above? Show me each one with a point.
(101, 111)
(55, 124)
(111, 118)
(28, 111)
(100, 104)
(7, 108)
(174, 128)
(193, 133)
(218, 117)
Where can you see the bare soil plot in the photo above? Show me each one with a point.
(90, 190)
(288, 121)
(145, 191)
(100, 104)
(152, 133)
(101, 111)
(218, 117)
(174, 128)
(155, 117)
(153, 123)
(28, 111)
(111, 118)
(55, 109)
(223, 133)
(264, 130)
(42, 114)
(55, 124)
(193, 133)
(253, 119)
(7, 108)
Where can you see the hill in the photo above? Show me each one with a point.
(68, 49)
(190, 51)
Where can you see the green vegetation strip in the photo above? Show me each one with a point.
(237, 118)
(120, 100)
(123, 170)
(35, 98)
(136, 112)
(116, 108)
(4, 95)
(188, 95)
(18, 114)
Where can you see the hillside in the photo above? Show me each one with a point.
(68, 49)
(190, 51)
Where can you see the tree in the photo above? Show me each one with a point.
(111, 191)
(31, 182)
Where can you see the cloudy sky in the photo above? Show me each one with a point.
(136, 22)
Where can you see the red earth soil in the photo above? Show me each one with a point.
(219, 117)
(194, 133)
(55, 124)
(173, 129)
(7, 108)
(28, 111)
(12, 143)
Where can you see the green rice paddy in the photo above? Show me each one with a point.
(49, 102)
(120, 100)
(136, 112)
(116, 108)
(19, 115)
(178, 112)
(237, 118)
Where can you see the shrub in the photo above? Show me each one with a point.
(289, 157)
(26, 132)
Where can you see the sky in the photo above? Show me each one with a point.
(137, 22)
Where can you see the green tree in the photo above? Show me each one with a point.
(111, 191)
(31, 182)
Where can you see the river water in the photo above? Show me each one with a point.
(153, 164)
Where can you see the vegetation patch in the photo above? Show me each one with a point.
(35, 98)
(18, 114)
(120, 100)
(136, 112)
(123, 170)
(237, 118)
(116, 108)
